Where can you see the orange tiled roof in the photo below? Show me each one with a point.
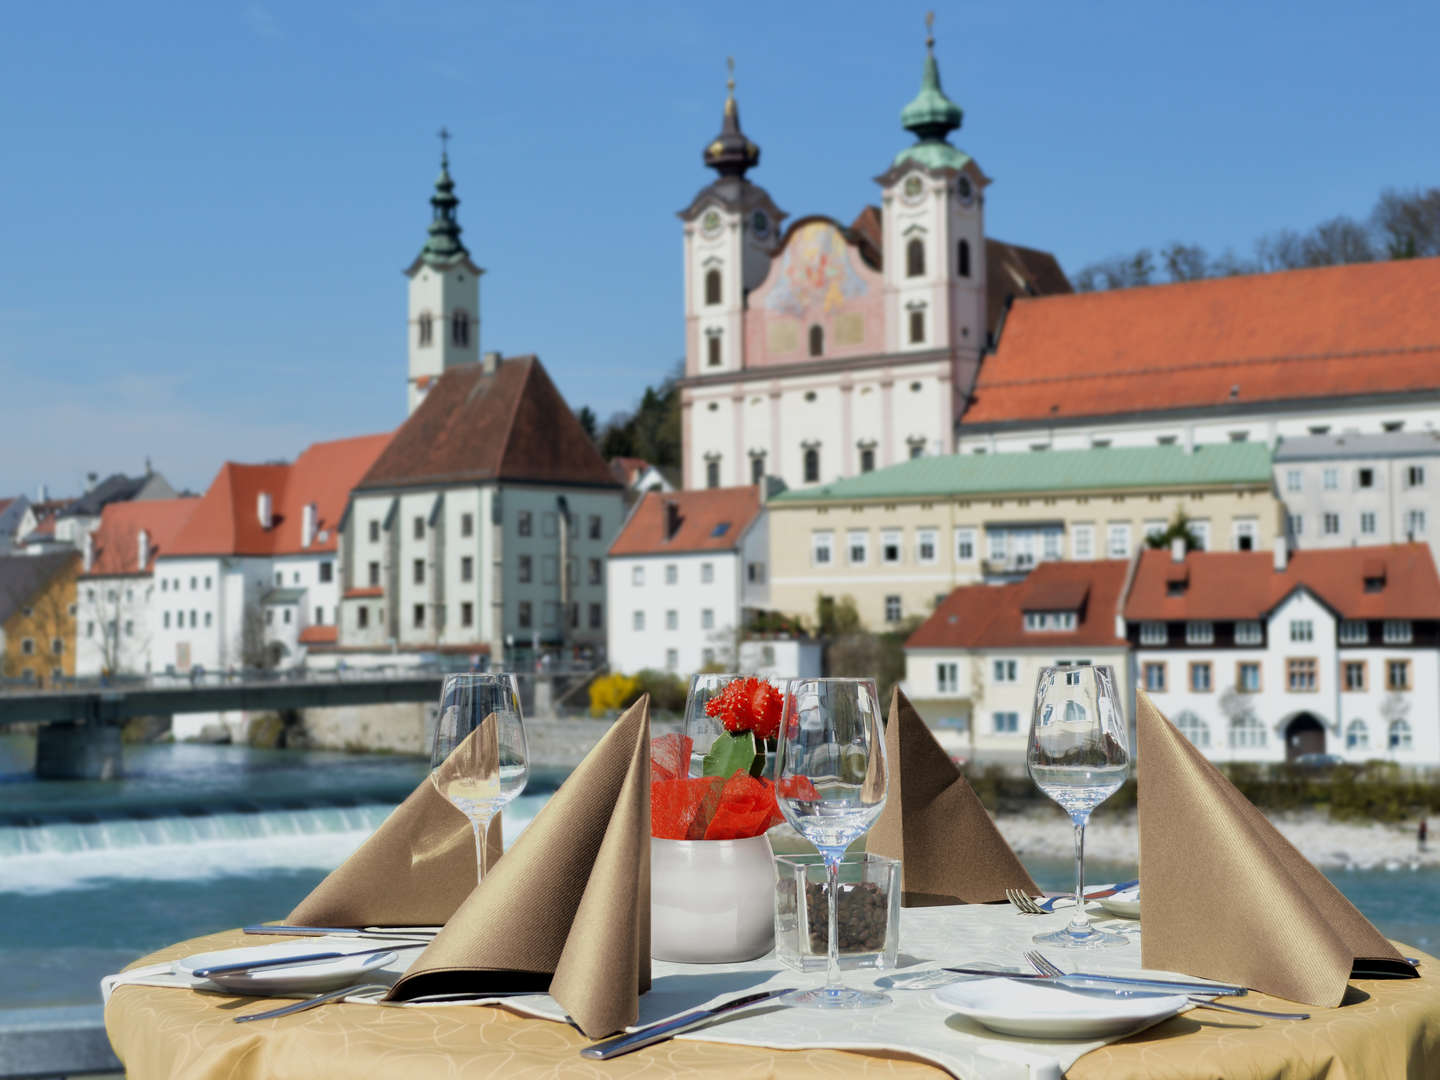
(227, 522)
(1225, 585)
(117, 537)
(319, 635)
(701, 511)
(1368, 328)
(993, 616)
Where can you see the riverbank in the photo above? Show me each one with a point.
(1115, 838)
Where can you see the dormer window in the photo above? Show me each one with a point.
(1050, 620)
(1153, 633)
(1199, 633)
(460, 329)
(915, 258)
(1398, 632)
(425, 328)
(712, 287)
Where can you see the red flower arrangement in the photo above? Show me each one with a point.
(748, 704)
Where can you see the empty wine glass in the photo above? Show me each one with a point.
(831, 788)
(480, 760)
(1078, 755)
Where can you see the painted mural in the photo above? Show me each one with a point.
(814, 273)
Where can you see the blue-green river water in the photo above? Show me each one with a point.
(200, 838)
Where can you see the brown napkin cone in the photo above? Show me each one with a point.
(568, 907)
(414, 870)
(1224, 896)
(949, 849)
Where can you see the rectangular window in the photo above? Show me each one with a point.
(595, 617)
(1330, 524)
(1415, 476)
(1082, 541)
(524, 523)
(418, 569)
(550, 524)
(1292, 480)
(1397, 674)
(1331, 479)
(467, 568)
(1154, 633)
(193, 617)
(362, 617)
(1050, 620)
(165, 620)
(964, 545)
(892, 608)
(1248, 632)
(417, 616)
(549, 570)
(467, 613)
(1354, 632)
(672, 574)
(1246, 531)
(890, 547)
(672, 656)
(637, 620)
(1200, 681)
(947, 680)
(524, 616)
(467, 524)
(1399, 632)
(1005, 671)
(595, 526)
(1364, 478)
(525, 569)
(1117, 545)
(1199, 633)
(1006, 723)
(858, 544)
(593, 572)
(1300, 674)
(1367, 522)
(1153, 528)
(279, 579)
(707, 573)
(926, 542)
(1051, 541)
(672, 620)
(374, 575)
(755, 571)
(637, 575)
(821, 548)
(419, 528)
(1296, 524)
(1200, 530)
(1354, 675)
(1414, 522)
(327, 573)
(995, 545)
(707, 619)
(1155, 678)
(1247, 677)
(1302, 630)
(375, 532)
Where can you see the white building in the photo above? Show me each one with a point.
(971, 667)
(821, 352)
(1348, 489)
(1260, 657)
(683, 574)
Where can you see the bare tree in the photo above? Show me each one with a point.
(254, 650)
(1408, 223)
(1185, 262)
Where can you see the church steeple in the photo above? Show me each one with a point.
(443, 247)
(730, 153)
(931, 116)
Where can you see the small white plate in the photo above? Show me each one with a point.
(312, 978)
(1125, 903)
(1034, 1011)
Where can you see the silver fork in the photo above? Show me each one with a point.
(1045, 967)
(1023, 902)
(310, 1003)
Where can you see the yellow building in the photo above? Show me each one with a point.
(898, 540)
(37, 616)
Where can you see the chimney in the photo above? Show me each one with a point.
(1189, 438)
(1281, 554)
(308, 518)
(489, 362)
(263, 507)
(42, 493)
(89, 551)
(1177, 549)
(672, 518)
(142, 553)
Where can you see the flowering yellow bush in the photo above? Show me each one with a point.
(611, 692)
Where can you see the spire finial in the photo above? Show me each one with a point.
(730, 86)
(930, 30)
(444, 134)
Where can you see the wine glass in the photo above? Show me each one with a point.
(1078, 756)
(831, 788)
(480, 760)
(703, 729)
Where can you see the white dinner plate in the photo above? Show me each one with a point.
(1125, 903)
(1035, 1011)
(311, 978)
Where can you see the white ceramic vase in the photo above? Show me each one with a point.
(711, 901)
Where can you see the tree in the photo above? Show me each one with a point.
(1178, 529)
(1117, 272)
(1185, 262)
(255, 651)
(652, 431)
(586, 416)
(1407, 224)
(835, 617)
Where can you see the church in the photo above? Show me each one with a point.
(817, 351)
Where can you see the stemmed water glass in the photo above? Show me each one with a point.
(831, 788)
(1079, 756)
(480, 759)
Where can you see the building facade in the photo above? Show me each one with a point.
(899, 540)
(37, 617)
(822, 351)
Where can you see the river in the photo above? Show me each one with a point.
(199, 838)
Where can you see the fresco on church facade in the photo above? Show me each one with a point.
(814, 271)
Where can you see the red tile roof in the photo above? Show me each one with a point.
(227, 521)
(700, 513)
(1225, 585)
(511, 424)
(993, 616)
(117, 537)
(319, 635)
(1368, 328)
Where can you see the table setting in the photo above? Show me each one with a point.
(799, 877)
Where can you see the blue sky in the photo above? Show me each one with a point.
(207, 207)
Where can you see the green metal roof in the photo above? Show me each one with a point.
(931, 116)
(1050, 470)
(443, 247)
(933, 155)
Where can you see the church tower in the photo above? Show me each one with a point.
(934, 235)
(444, 324)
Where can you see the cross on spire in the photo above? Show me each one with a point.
(444, 146)
(930, 29)
(730, 77)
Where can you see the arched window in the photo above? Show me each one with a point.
(1400, 737)
(915, 258)
(1193, 728)
(817, 340)
(712, 286)
(712, 473)
(917, 327)
(962, 261)
(1357, 735)
(712, 350)
(757, 468)
(812, 465)
(460, 328)
(867, 459)
(1247, 731)
(426, 328)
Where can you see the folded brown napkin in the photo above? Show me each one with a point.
(413, 871)
(568, 908)
(949, 848)
(1224, 896)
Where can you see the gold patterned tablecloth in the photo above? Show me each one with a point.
(1388, 1028)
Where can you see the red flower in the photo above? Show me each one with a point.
(748, 704)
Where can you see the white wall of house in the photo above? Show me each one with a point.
(782, 658)
(113, 625)
(1337, 502)
(674, 612)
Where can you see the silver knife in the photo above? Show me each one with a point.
(286, 961)
(665, 1029)
(377, 932)
(1082, 981)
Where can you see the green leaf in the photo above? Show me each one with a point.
(730, 754)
